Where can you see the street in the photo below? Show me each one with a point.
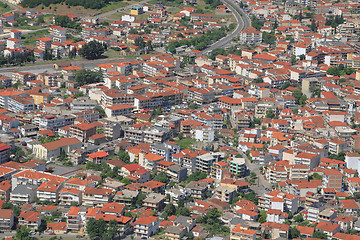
(242, 20)
(261, 183)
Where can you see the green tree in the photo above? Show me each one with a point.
(183, 211)
(85, 76)
(92, 50)
(169, 210)
(112, 231)
(294, 233)
(299, 218)
(23, 233)
(262, 217)
(161, 177)
(300, 98)
(101, 111)
(269, 113)
(124, 156)
(96, 228)
(321, 235)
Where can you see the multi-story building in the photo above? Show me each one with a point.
(333, 179)
(68, 196)
(96, 196)
(113, 97)
(49, 191)
(4, 152)
(154, 201)
(225, 194)
(201, 96)
(237, 166)
(145, 227)
(30, 219)
(251, 36)
(31, 177)
(6, 219)
(53, 122)
(83, 131)
(197, 189)
(21, 104)
(118, 110)
(74, 222)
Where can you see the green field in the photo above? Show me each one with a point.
(30, 38)
(186, 143)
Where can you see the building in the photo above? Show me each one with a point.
(6, 219)
(241, 233)
(52, 150)
(145, 226)
(96, 197)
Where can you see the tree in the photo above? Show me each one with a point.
(85, 76)
(183, 211)
(96, 228)
(269, 113)
(112, 231)
(170, 209)
(124, 156)
(300, 98)
(92, 50)
(299, 218)
(313, 26)
(101, 111)
(294, 233)
(318, 234)
(23, 234)
(161, 177)
(262, 217)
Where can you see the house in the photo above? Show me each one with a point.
(240, 233)
(328, 228)
(154, 201)
(30, 219)
(57, 228)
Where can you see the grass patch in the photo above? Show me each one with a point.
(115, 5)
(186, 143)
(30, 38)
(4, 8)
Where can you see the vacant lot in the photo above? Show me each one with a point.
(30, 38)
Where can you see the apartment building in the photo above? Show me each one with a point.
(30, 219)
(5, 189)
(288, 202)
(68, 196)
(22, 103)
(31, 177)
(53, 122)
(146, 226)
(201, 96)
(308, 159)
(251, 36)
(333, 179)
(96, 197)
(49, 191)
(83, 131)
(113, 97)
(6, 219)
(154, 201)
(225, 194)
(74, 222)
(197, 189)
(118, 110)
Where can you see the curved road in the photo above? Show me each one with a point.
(242, 20)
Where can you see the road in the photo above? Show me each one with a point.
(242, 20)
(12, 5)
(261, 183)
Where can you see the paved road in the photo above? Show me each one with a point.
(261, 183)
(242, 20)
(12, 5)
